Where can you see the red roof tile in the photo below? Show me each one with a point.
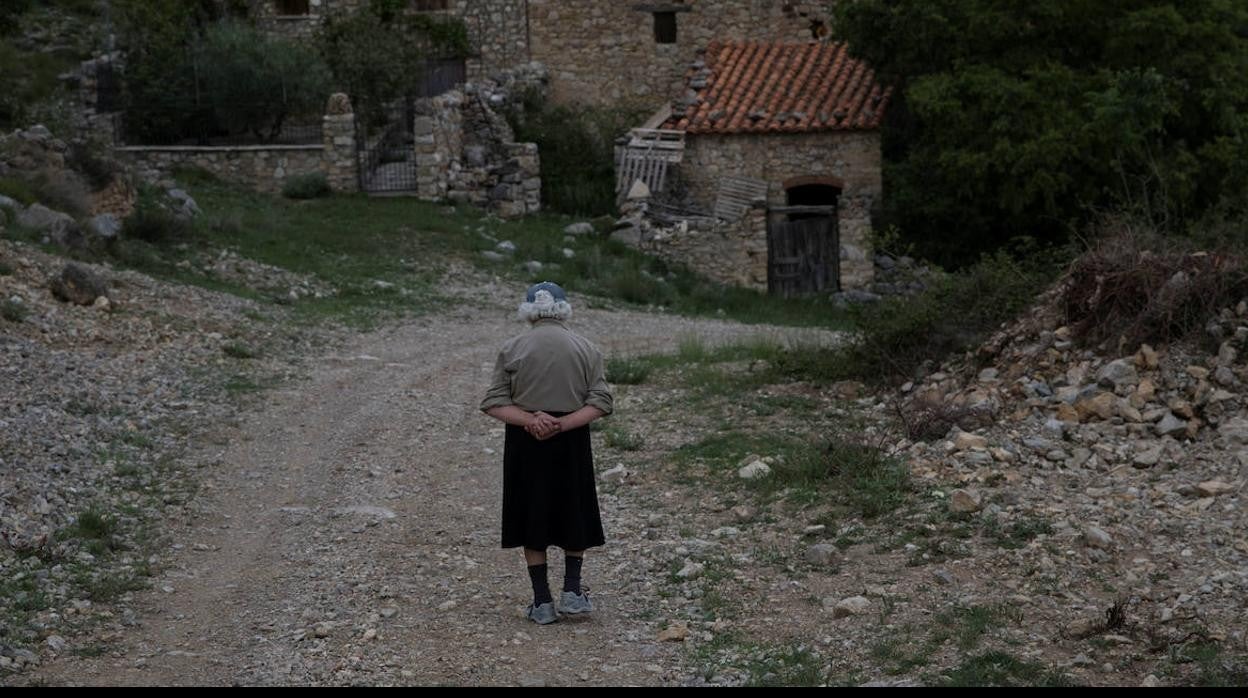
(755, 87)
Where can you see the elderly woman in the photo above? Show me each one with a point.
(548, 385)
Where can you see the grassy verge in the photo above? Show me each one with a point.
(386, 256)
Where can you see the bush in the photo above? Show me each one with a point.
(13, 311)
(152, 223)
(578, 152)
(1138, 287)
(896, 338)
(307, 186)
(18, 190)
(98, 169)
(871, 482)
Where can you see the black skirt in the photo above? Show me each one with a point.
(549, 494)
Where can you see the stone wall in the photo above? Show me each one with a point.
(730, 252)
(850, 159)
(263, 167)
(605, 51)
(465, 151)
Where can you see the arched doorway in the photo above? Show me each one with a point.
(803, 244)
(819, 192)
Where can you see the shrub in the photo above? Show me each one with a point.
(153, 223)
(896, 338)
(99, 170)
(18, 190)
(306, 186)
(13, 311)
(578, 151)
(871, 482)
(1137, 287)
(236, 350)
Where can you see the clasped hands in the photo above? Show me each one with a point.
(543, 426)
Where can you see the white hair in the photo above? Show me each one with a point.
(545, 306)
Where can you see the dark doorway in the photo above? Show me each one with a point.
(803, 240)
(803, 195)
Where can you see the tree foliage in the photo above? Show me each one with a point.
(253, 82)
(1017, 117)
(376, 54)
(194, 70)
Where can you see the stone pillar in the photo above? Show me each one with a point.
(854, 222)
(530, 173)
(431, 184)
(340, 161)
(754, 226)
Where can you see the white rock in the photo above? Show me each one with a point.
(754, 471)
(852, 606)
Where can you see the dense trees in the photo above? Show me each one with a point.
(1024, 117)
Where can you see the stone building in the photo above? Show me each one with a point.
(497, 29)
(792, 128)
(613, 51)
(604, 52)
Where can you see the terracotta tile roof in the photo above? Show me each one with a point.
(755, 87)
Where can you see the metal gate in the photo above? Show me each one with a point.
(804, 255)
(387, 149)
(384, 139)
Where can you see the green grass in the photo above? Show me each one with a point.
(902, 654)
(858, 477)
(627, 371)
(1214, 667)
(967, 625)
(236, 350)
(763, 664)
(1017, 534)
(353, 242)
(999, 669)
(622, 440)
(13, 311)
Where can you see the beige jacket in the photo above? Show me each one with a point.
(549, 368)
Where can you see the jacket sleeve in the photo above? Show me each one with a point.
(599, 392)
(499, 393)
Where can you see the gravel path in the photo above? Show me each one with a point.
(347, 533)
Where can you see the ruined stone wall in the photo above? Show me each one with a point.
(730, 252)
(497, 29)
(605, 51)
(852, 159)
(465, 151)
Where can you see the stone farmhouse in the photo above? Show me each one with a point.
(763, 156)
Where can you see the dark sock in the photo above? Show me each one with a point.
(572, 574)
(541, 587)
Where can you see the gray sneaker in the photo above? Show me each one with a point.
(544, 614)
(573, 603)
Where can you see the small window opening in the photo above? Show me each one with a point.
(665, 27)
(429, 5)
(293, 7)
(818, 30)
